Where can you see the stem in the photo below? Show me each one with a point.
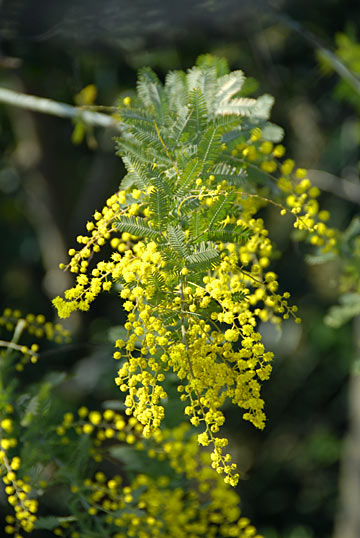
(55, 108)
(20, 326)
(166, 149)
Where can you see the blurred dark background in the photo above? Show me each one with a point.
(50, 186)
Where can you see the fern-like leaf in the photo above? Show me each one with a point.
(230, 233)
(137, 226)
(238, 296)
(161, 182)
(263, 106)
(210, 146)
(243, 106)
(176, 90)
(150, 91)
(179, 126)
(198, 113)
(204, 79)
(197, 224)
(132, 150)
(203, 260)
(157, 282)
(168, 318)
(231, 174)
(136, 171)
(50, 522)
(159, 207)
(229, 85)
(187, 178)
(177, 241)
(220, 209)
(190, 205)
(131, 116)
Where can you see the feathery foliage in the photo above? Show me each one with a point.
(191, 262)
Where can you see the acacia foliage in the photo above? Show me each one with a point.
(190, 254)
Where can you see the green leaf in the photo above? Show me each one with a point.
(161, 181)
(148, 136)
(116, 405)
(199, 113)
(128, 181)
(136, 172)
(204, 79)
(210, 146)
(320, 258)
(169, 318)
(188, 177)
(227, 123)
(176, 90)
(51, 522)
(132, 116)
(243, 106)
(238, 296)
(137, 226)
(219, 209)
(143, 153)
(177, 241)
(133, 460)
(352, 230)
(203, 260)
(231, 174)
(230, 233)
(159, 207)
(150, 91)
(31, 411)
(229, 85)
(190, 205)
(157, 282)
(197, 224)
(132, 150)
(179, 127)
(79, 458)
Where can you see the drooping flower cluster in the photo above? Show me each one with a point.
(191, 255)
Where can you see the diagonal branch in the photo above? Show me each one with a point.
(55, 108)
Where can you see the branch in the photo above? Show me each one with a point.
(340, 187)
(62, 110)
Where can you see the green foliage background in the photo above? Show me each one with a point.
(290, 470)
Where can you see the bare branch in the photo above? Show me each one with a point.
(55, 108)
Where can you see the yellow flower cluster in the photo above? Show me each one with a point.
(212, 364)
(88, 286)
(208, 361)
(298, 194)
(102, 426)
(162, 506)
(19, 493)
(100, 230)
(204, 330)
(36, 326)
